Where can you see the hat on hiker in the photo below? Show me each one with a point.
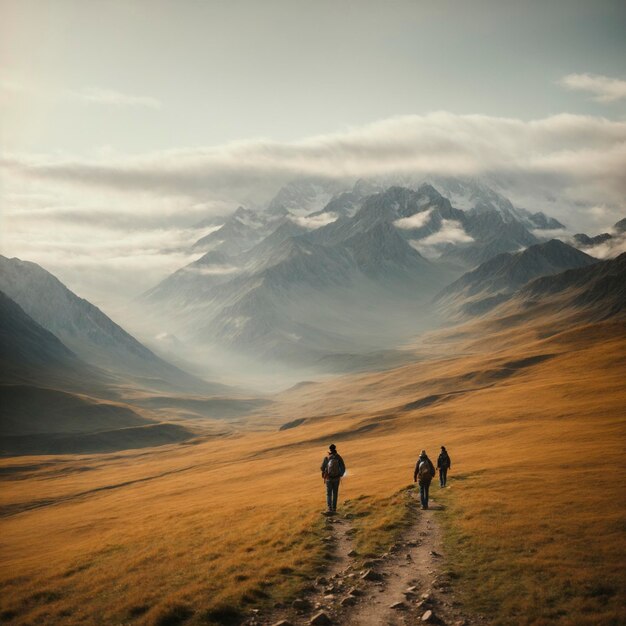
(423, 453)
(332, 447)
(443, 448)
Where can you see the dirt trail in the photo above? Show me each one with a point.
(401, 587)
(412, 581)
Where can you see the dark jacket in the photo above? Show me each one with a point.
(417, 467)
(443, 461)
(324, 467)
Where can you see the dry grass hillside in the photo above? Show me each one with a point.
(533, 416)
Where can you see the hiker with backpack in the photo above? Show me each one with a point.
(333, 468)
(443, 465)
(423, 474)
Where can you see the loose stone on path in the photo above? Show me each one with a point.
(320, 619)
(371, 575)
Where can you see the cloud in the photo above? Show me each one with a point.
(414, 221)
(563, 155)
(87, 95)
(212, 270)
(97, 95)
(451, 232)
(312, 222)
(603, 88)
(608, 249)
(549, 233)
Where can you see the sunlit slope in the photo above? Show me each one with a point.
(535, 427)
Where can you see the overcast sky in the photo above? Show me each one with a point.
(123, 123)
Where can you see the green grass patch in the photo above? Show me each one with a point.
(379, 522)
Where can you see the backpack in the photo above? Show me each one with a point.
(424, 472)
(333, 469)
(444, 460)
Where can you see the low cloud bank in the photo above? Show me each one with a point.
(451, 232)
(608, 249)
(314, 222)
(414, 221)
(571, 156)
(212, 270)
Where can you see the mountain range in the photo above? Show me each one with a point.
(299, 283)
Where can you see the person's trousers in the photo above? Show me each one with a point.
(443, 476)
(332, 493)
(424, 494)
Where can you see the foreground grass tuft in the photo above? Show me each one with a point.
(169, 614)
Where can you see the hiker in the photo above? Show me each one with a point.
(333, 468)
(443, 465)
(423, 474)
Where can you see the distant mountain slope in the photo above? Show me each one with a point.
(240, 231)
(600, 289)
(85, 426)
(303, 196)
(43, 403)
(30, 353)
(585, 241)
(83, 328)
(382, 252)
(491, 282)
(477, 197)
(28, 410)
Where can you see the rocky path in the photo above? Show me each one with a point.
(405, 586)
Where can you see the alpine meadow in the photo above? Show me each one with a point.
(312, 313)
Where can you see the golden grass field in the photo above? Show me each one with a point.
(534, 420)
